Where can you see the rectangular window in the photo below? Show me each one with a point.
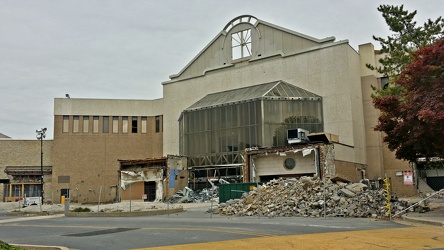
(384, 82)
(85, 124)
(134, 124)
(65, 124)
(157, 124)
(144, 123)
(105, 124)
(115, 124)
(125, 124)
(75, 123)
(95, 124)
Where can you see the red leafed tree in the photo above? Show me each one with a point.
(414, 121)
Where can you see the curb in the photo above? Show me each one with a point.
(124, 214)
(100, 214)
(39, 247)
(422, 221)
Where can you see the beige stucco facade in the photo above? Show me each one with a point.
(327, 68)
(380, 162)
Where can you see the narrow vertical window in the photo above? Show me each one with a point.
(105, 124)
(384, 82)
(158, 124)
(115, 124)
(85, 124)
(144, 123)
(125, 124)
(65, 128)
(75, 124)
(134, 124)
(95, 124)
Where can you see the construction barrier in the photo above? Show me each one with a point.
(235, 190)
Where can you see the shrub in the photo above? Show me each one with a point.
(82, 209)
(6, 246)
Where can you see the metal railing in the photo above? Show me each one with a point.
(419, 202)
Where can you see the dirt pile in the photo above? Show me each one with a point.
(310, 197)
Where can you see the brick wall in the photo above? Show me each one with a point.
(348, 170)
(24, 153)
(91, 159)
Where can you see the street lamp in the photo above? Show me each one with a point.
(41, 133)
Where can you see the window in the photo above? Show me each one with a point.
(144, 118)
(65, 124)
(85, 124)
(241, 44)
(384, 82)
(75, 127)
(115, 124)
(157, 124)
(95, 124)
(105, 124)
(125, 124)
(134, 124)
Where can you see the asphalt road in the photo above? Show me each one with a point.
(190, 227)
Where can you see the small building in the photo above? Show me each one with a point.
(21, 169)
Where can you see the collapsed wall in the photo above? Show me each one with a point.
(310, 197)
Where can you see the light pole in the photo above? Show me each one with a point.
(41, 133)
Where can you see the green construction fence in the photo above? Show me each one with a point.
(235, 190)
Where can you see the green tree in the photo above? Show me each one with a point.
(412, 105)
(399, 47)
(413, 121)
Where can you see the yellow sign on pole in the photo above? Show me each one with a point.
(387, 197)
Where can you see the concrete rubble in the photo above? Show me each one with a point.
(309, 197)
(187, 195)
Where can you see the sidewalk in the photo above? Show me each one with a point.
(435, 217)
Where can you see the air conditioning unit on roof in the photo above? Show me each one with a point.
(295, 136)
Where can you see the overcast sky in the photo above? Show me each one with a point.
(126, 49)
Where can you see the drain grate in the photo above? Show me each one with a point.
(100, 232)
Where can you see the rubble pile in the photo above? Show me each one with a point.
(187, 195)
(305, 197)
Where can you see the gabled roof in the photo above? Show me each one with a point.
(4, 136)
(217, 60)
(279, 90)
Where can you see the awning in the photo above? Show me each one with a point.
(28, 170)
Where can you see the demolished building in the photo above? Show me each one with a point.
(228, 111)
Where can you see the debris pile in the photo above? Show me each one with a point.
(310, 197)
(187, 195)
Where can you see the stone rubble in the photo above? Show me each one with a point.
(305, 197)
(187, 195)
